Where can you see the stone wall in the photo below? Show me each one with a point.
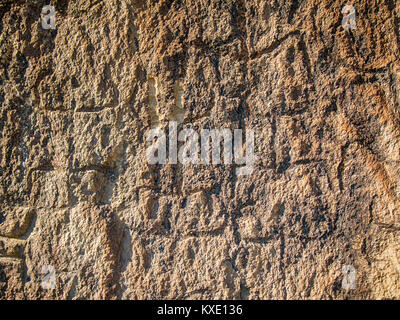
(78, 194)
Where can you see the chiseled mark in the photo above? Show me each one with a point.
(340, 166)
(274, 45)
(11, 248)
(153, 93)
(394, 257)
(14, 236)
(388, 226)
(73, 286)
(10, 260)
(93, 110)
(47, 167)
(17, 222)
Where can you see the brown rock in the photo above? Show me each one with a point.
(78, 194)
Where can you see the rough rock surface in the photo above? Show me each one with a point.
(77, 192)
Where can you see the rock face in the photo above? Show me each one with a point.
(82, 206)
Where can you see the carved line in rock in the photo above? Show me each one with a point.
(81, 110)
(104, 171)
(13, 238)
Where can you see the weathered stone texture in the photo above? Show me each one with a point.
(77, 192)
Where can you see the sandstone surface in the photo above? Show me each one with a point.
(78, 194)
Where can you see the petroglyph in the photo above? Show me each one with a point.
(77, 193)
